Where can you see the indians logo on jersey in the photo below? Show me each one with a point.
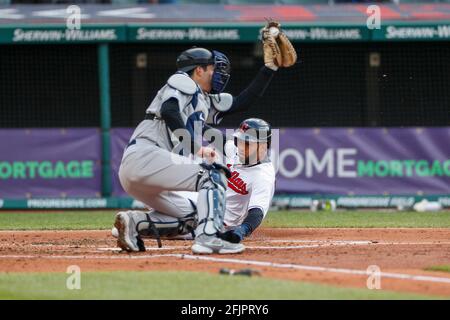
(244, 127)
(236, 183)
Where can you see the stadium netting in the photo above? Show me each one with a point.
(338, 84)
(49, 86)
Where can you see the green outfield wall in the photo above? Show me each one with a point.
(225, 33)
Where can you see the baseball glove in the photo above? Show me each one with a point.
(278, 50)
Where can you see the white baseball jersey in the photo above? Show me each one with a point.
(249, 187)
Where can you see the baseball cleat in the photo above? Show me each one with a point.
(140, 244)
(210, 244)
(139, 241)
(127, 235)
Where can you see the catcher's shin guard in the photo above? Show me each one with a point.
(151, 229)
(130, 223)
(211, 199)
(167, 229)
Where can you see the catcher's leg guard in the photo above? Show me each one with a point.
(149, 229)
(166, 228)
(211, 200)
(211, 211)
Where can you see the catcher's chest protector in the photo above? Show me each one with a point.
(194, 109)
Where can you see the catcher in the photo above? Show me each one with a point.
(152, 172)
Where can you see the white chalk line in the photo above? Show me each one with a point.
(327, 242)
(334, 244)
(313, 244)
(84, 257)
(308, 244)
(356, 242)
(321, 269)
(188, 247)
(251, 247)
(315, 241)
(164, 248)
(401, 276)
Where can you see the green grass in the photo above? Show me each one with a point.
(444, 268)
(68, 220)
(91, 220)
(359, 219)
(176, 285)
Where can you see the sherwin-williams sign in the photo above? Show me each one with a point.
(186, 33)
(362, 161)
(243, 33)
(49, 163)
(60, 34)
(412, 32)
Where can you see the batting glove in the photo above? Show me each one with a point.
(235, 235)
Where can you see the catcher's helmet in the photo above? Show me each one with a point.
(254, 130)
(191, 58)
(194, 57)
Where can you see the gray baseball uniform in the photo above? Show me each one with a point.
(150, 171)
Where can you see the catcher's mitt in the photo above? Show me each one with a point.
(278, 50)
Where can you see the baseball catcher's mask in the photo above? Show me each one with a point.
(222, 68)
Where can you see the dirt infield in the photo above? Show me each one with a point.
(333, 256)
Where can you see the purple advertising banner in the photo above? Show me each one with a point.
(119, 140)
(50, 163)
(357, 161)
(363, 161)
